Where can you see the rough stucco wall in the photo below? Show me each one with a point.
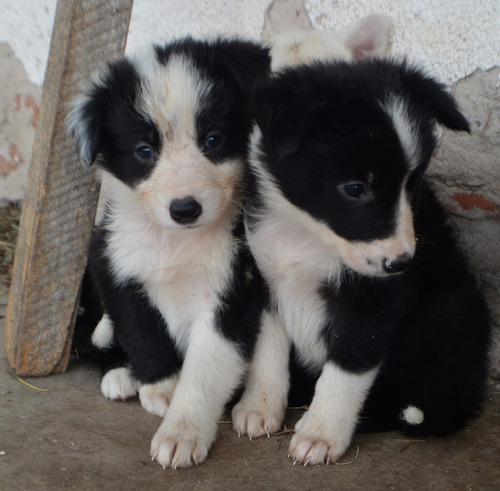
(450, 39)
(455, 41)
(18, 118)
(465, 171)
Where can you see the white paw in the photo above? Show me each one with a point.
(316, 443)
(256, 421)
(103, 334)
(180, 444)
(155, 398)
(119, 384)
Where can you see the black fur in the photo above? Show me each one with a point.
(324, 125)
(108, 126)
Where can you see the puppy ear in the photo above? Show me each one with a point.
(86, 118)
(284, 118)
(102, 104)
(247, 63)
(369, 36)
(442, 105)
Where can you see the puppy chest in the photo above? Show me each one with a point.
(182, 278)
(295, 267)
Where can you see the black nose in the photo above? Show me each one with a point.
(185, 210)
(398, 264)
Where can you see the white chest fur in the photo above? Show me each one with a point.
(295, 260)
(182, 270)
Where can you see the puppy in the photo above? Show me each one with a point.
(169, 130)
(369, 290)
(365, 38)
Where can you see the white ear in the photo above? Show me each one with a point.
(369, 36)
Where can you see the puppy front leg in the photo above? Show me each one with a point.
(212, 369)
(325, 431)
(261, 410)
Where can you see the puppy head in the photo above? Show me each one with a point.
(368, 37)
(171, 125)
(348, 144)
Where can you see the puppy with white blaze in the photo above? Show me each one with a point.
(169, 129)
(371, 296)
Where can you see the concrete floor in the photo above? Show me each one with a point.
(70, 436)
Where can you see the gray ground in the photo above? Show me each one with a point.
(70, 436)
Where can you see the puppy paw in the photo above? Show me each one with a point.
(173, 446)
(315, 443)
(256, 422)
(155, 398)
(119, 384)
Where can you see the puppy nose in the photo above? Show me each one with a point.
(398, 264)
(185, 210)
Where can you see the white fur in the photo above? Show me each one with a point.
(76, 121)
(119, 384)
(103, 334)
(155, 398)
(288, 237)
(212, 369)
(405, 129)
(325, 431)
(370, 36)
(181, 270)
(297, 254)
(261, 410)
(412, 415)
(171, 97)
(184, 269)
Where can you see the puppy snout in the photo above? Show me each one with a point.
(185, 210)
(397, 264)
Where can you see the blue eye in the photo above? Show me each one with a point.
(355, 190)
(144, 152)
(213, 141)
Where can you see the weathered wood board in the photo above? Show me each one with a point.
(61, 196)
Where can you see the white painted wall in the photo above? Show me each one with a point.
(451, 38)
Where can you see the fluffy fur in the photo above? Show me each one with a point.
(370, 292)
(182, 299)
(365, 38)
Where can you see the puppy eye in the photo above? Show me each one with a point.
(144, 152)
(355, 190)
(213, 141)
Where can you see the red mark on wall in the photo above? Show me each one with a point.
(13, 162)
(30, 103)
(468, 201)
(17, 102)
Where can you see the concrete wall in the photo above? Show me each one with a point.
(458, 42)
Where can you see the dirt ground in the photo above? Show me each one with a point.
(60, 432)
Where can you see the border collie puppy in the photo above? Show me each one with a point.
(367, 37)
(169, 130)
(370, 293)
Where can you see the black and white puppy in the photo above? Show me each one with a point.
(369, 288)
(169, 128)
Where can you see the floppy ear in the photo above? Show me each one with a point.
(111, 93)
(247, 63)
(284, 117)
(428, 93)
(369, 36)
(86, 118)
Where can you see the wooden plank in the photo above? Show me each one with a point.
(61, 195)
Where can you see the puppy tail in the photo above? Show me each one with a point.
(103, 334)
(412, 415)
